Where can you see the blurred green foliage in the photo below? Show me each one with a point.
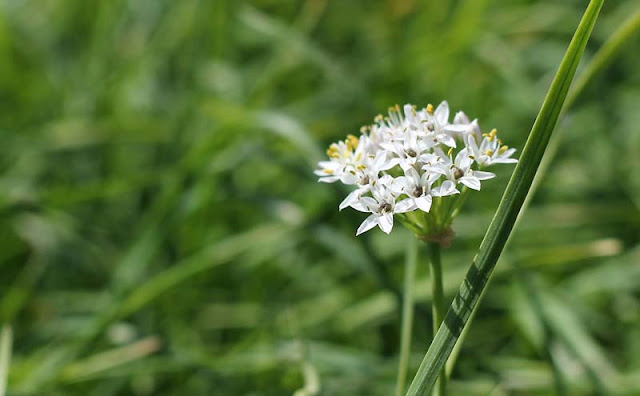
(162, 233)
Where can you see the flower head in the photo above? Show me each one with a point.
(405, 161)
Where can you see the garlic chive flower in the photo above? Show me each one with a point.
(414, 164)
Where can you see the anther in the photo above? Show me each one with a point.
(430, 108)
(354, 140)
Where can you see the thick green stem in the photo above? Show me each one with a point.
(407, 314)
(438, 306)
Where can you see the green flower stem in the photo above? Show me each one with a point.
(407, 314)
(438, 307)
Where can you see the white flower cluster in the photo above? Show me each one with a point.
(402, 161)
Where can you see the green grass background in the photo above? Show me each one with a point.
(162, 232)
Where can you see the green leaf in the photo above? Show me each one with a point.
(505, 217)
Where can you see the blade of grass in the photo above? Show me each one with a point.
(605, 55)
(6, 337)
(505, 217)
(49, 369)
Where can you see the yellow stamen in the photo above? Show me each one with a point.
(354, 141)
(328, 171)
(489, 152)
(332, 151)
(503, 149)
(378, 118)
(450, 151)
(360, 167)
(492, 134)
(358, 157)
(430, 108)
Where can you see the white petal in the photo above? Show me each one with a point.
(408, 110)
(466, 163)
(350, 199)
(327, 164)
(470, 182)
(437, 169)
(447, 188)
(348, 178)
(442, 113)
(386, 222)
(369, 203)
(412, 176)
(483, 159)
(367, 224)
(383, 162)
(406, 205)
(461, 118)
(474, 129)
(407, 163)
(360, 207)
(399, 184)
(505, 161)
(447, 140)
(480, 175)
(424, 203)
(390, 146)
(433, 176)
(329, 179)
(456, 128)
(470, 142)
(462, 154)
